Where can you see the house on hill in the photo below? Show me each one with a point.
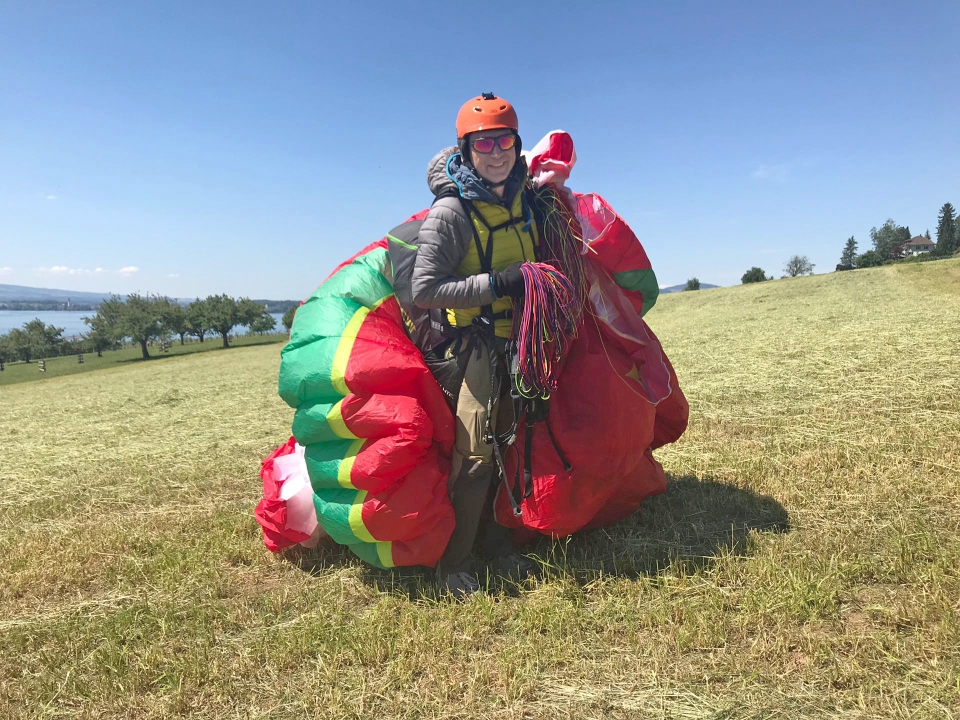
(918, 245)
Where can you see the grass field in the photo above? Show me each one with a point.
(19, 372)
(805, 561)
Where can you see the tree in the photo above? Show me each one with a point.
(142, 319)
(73, 346)
(105, 325)
(139, 318)
(871, 258)
(288, 316)
(255, 316)
(222, 315)
(889, 240)
(849, 255)
(175, 320)
(754, 275)
(692, 284)
(264, 323)
(248, 311)
(948, 235)
(33, 341)
(19, 345)
(798, 265)
(101, 340)
(197, 319)
(44, 340)
(5, 353)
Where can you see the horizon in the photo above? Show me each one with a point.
(248, 152)
(188, 297)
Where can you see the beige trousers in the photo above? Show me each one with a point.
(473, 470)
(478, 383)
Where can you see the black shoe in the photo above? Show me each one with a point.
(460, 585)
(514, 566)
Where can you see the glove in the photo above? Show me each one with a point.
(509, 282)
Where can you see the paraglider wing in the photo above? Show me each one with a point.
(373, 431)
(375, 426)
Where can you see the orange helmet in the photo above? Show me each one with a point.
(486, 112)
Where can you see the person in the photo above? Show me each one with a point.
(471, 245)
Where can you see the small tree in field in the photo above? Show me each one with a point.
(692, 284)
(263, 324)
(141, 319)
(754, 275)
(248, 312)
(105, 325)
(849, 255)
(45, 340)
(288, 316)
(798, 265)
(197, 319)
(221, 314)
(33, 341)
(101, 340)
(19, 345)
(175, 320)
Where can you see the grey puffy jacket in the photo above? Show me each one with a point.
(447, 232)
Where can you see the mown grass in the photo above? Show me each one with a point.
(18, 372)
(803, 563)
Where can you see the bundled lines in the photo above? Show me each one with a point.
(561, 242)
(544, 326)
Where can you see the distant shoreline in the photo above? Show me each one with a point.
(72, 320)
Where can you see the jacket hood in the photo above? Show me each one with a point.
(447, 172)
(437, 178)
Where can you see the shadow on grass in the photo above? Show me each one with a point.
(213, 347)
(685, 529)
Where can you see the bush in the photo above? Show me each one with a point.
(692, 284)
(871, 258)
(923, 257)
(754, 275)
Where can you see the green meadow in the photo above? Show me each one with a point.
(804, 563)
(18, 372)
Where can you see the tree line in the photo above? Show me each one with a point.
(889, 242)
(142, 319)
(795, 266)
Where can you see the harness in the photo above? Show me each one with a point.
(481, 331)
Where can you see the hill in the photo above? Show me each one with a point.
(22, 293)
(803, 562)
(683, 286)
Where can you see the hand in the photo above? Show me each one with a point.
(509, 282)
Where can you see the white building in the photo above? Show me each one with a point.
(918, 245)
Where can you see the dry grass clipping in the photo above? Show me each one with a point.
(804, 562)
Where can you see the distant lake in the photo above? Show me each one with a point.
(72, 320)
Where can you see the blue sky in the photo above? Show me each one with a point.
(193, 148)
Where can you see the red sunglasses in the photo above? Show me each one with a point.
(485, 145)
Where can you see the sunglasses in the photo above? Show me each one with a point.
(485, 145)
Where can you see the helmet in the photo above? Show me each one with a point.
(486, 112)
